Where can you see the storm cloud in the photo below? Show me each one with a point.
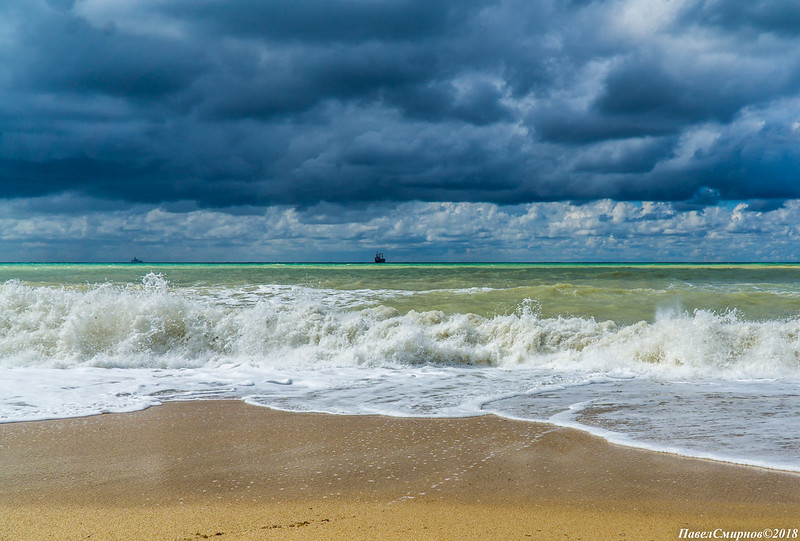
(183, 106)
(503, 101)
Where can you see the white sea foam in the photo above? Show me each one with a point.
(700, 383)
(152, 326)
(751, 422)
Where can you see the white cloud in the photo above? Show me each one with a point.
(416, 231)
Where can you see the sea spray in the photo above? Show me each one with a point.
(154, 326)
(700, 361)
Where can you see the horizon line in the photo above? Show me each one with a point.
(371, 263)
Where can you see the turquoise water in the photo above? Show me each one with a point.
(702, 360)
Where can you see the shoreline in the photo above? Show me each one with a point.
(185, 470)
(608, 437)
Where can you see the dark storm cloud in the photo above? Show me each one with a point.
(65, 54)
(479, 104)
(237, 104)
(641, 89)
(703, 197)
(296, 81)
(79, 173)
(324, 21)
(765, 205)
(781, 16)
(639, 156)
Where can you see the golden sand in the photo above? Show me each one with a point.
(225, 470)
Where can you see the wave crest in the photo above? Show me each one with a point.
(152, 325)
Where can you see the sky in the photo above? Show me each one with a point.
(432, 130)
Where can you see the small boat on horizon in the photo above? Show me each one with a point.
(379, 257)
(136, 260)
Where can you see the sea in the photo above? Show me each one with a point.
(696, 360)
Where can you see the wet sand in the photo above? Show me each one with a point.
(226, 470)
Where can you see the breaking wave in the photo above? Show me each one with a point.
(151, 325)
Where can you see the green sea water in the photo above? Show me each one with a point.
(624, 293)
(702, 360)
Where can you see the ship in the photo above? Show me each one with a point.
(379, 257)
(136, 260)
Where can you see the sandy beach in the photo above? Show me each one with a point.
(226, 470)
